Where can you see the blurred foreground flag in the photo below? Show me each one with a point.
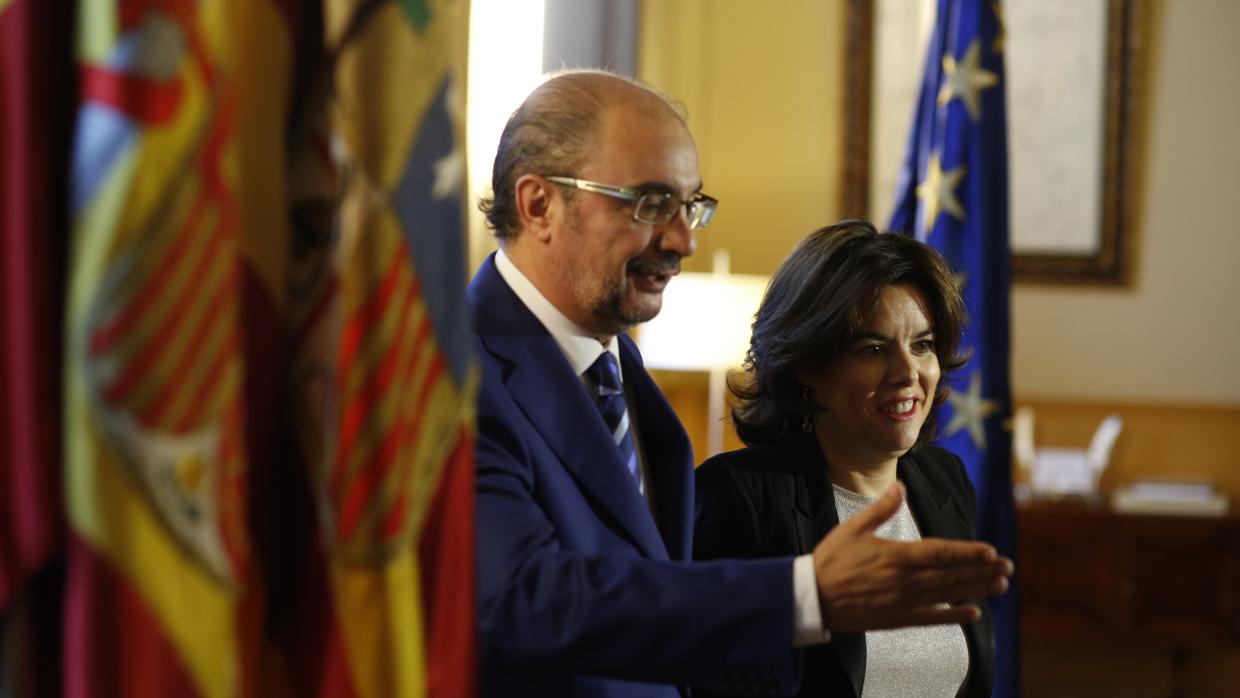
(953, 194)
(31, 293)
(391, 449)
(156, 467)
(30, 517)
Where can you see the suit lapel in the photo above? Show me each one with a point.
(669, 457)
(551, 396)
(931, 505)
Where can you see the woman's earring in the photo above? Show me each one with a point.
(807, 424)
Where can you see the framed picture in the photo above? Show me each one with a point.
(1074, 71)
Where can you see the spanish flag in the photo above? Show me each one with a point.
(154, 443)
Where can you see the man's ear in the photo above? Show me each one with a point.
(537, 206)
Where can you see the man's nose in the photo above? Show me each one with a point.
(676, 235)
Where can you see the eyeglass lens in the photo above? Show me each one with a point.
(657, 209)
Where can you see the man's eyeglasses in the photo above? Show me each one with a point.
(653, 208)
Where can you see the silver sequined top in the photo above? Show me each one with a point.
(930, 660)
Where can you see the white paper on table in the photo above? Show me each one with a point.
(1076, 471)
(1061, 471)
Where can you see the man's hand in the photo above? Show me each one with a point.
(868, 583)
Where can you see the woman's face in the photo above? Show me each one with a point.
(879, 391)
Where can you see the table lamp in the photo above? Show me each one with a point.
(705, 325)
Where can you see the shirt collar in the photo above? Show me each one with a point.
(578, 346)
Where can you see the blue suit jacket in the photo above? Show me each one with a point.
(580, 591)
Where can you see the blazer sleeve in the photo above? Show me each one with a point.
(617, 614)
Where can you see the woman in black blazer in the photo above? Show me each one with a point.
(855, 331)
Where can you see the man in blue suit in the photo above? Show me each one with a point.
(584, 473)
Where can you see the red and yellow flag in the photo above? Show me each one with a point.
(387, 346)
(156, 478)
(267, 383)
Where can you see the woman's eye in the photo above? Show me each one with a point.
(871, 350)
(923, 346)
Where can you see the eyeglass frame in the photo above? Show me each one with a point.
(707, 204)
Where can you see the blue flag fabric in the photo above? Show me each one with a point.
(953, 194)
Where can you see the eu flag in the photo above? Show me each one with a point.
(953, 194)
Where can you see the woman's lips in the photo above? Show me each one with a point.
(902, 409)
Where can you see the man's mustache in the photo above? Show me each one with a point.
(668, 265)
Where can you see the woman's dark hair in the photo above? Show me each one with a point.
(815, 304)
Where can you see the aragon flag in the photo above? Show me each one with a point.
(154, 414)
(383, 355)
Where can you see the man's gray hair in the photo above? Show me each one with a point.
(553, 131)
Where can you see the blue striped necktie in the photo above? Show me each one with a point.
(605, 374)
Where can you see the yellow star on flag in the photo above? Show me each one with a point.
(938, 190)
(970, 410)
(961, 278)
(966, 79)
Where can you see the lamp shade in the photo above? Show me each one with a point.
(705, 322)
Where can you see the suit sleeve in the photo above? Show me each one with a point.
(725, 625)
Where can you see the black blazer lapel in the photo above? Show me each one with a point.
(933, 506)
(813, 484)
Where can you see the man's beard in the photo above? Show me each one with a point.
(612, 312)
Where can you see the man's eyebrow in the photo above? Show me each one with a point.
(663, 188)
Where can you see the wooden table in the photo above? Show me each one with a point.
(1091, 577)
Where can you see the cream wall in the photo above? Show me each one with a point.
(763, 87)
(760, 83)
(1174, 335)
